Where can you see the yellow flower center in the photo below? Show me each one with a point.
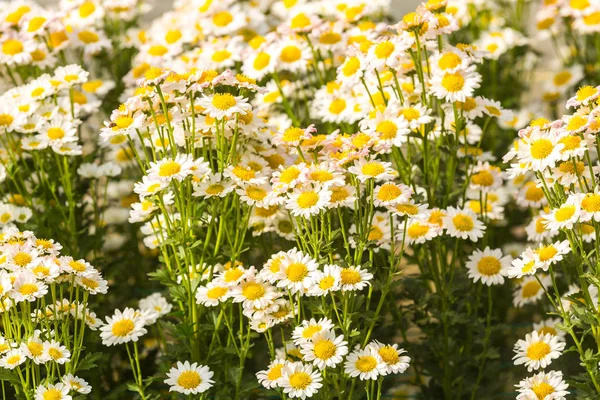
(296, 272)
(35, 348)
(89, 283)
(22, 259)
(12, 47)
(28, 288)
(216, 292)
(375, 233)
(547, 329)
(387, 129)
(169, 168)
(86, 9)
(158, 50)
(592, 19)
(579, 4)
(53, 394)
(388, 354)
(339, 193)
(308, 199)
(417, 230)
(326, 283)
(321, 176)
(256, 193)
(222, 18)
(215, 189)
(290, 54)
(530, 289)
(189, 380)
(223, 101)
(489, 266)
(261, 61)
(77, 266)
(350, 276)
(275, 372)
(221, 55)
(366, 363)
(351, 65)
(13, 359)
(289, 174)
(55, 353)
(534, 193)
(562, 78)
(6, 119)
(483, 178)
(463, 223)
(300, 21)
(388, 192)
(591, 203)
(310, 331)
(123, 327)
(337, 106)
(449, 61)
(541, 148)
(538, 350)
(547, 252)
(564, 213)
(384, 49)
(453, 82)
(88, 37)
(253, 290)
(542, 390)
(55, 133)
(324, 349)
(576, 122)
(300, 380)
(585, 91)
(570, 142)
(372, 169)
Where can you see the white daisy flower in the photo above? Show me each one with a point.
(355, 278)
(57, 352)
(365, 363)
(270, 377)
(299, 380)
(328, 280)
(391, 355)
(563, 217)
(463, 224)
(168, 169)
(12, 359)
(59, 391)
(189, 378)
(76, 384)
(297, 272)
(488, 266)
(325, 349)
(212, 294)
(372, 169)
(455, 86)
(309, 328)
(123, 327)
(529, 290)
(543, 386)
(537, 351)
(220, 105)
(308, 201)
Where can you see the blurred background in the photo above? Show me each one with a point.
(399, 7)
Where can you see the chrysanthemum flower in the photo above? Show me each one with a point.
(189, 378)
(489, 266)
(537, 351)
